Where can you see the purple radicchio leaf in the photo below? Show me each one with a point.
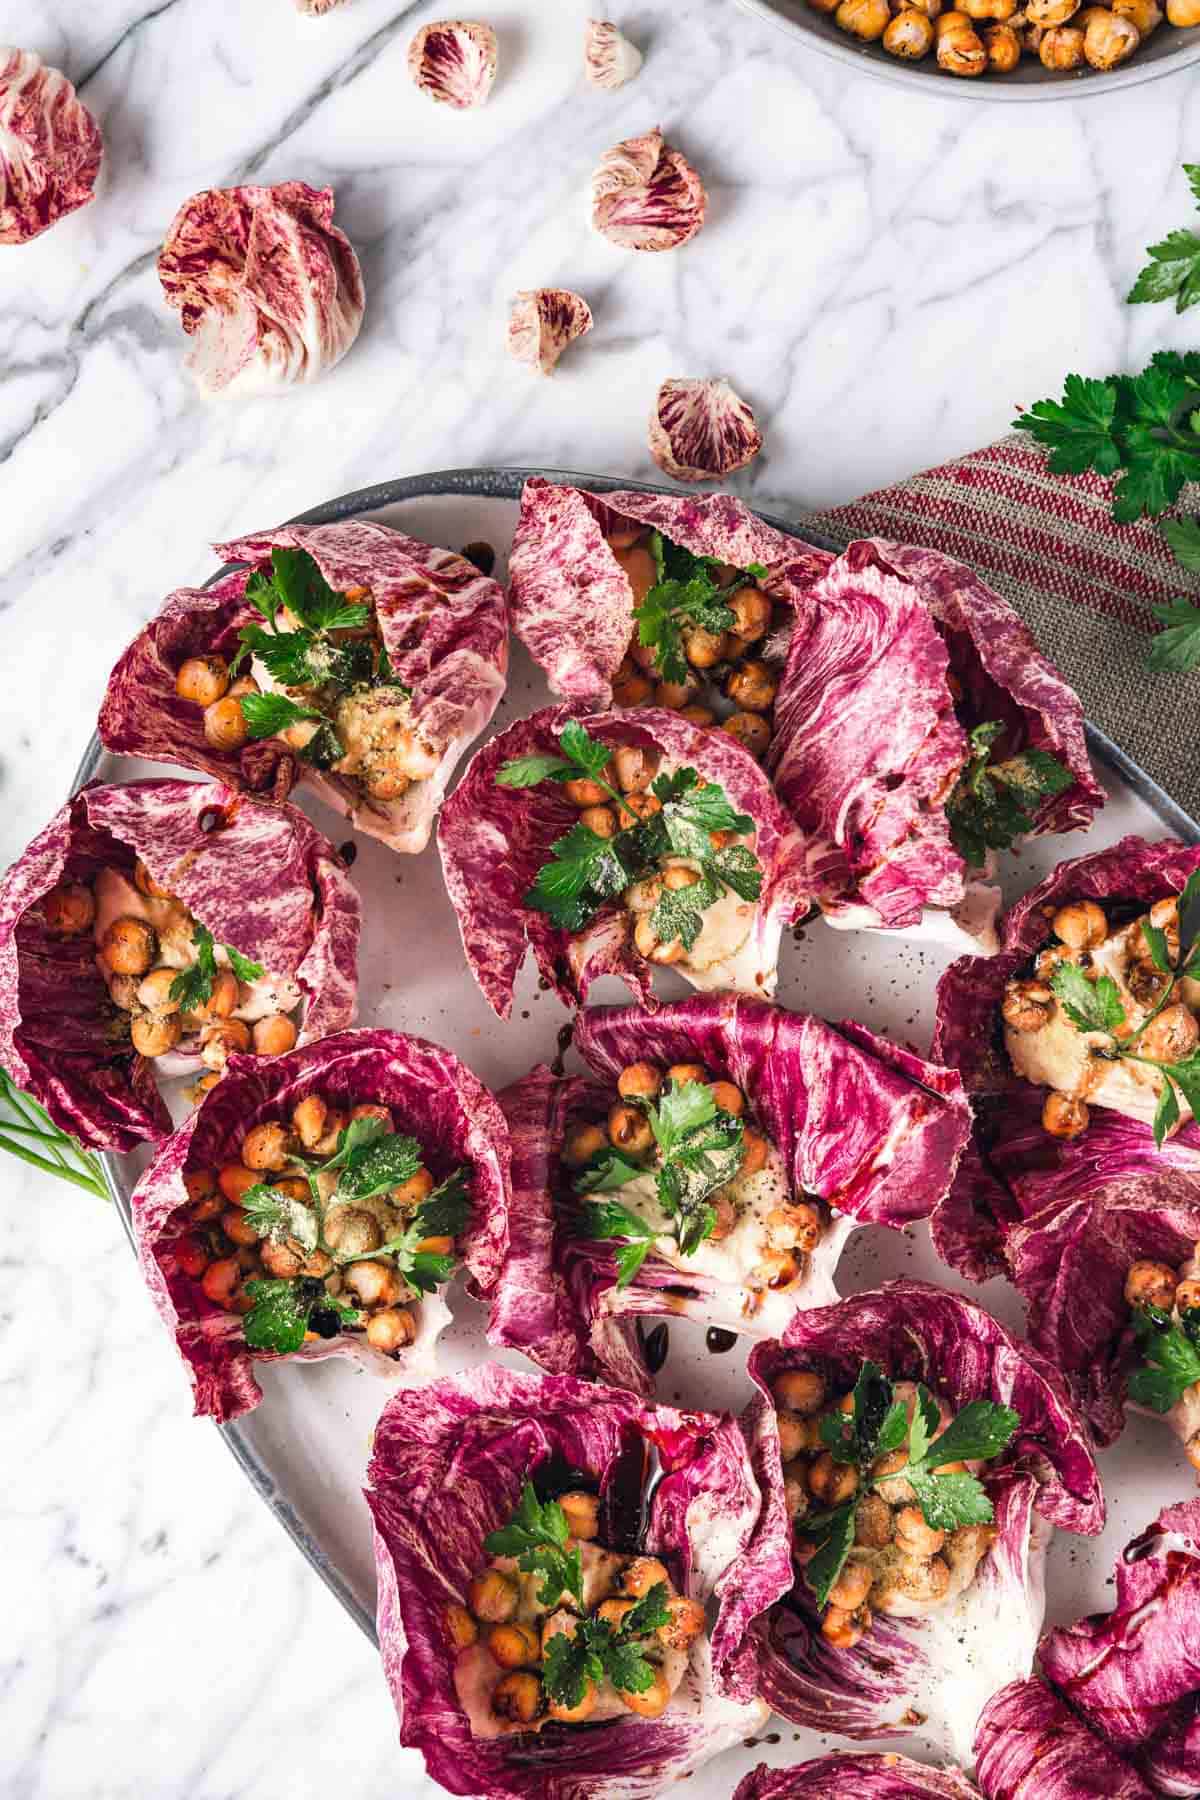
(261, 878)
(50, 147)
(447, 1467)
(433, 1097)
(875, 1776)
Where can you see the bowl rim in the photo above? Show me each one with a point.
(900, 75)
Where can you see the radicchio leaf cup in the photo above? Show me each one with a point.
(261, 878)
(1117, 1709)
(930, 1675)
(494, 839)
(896, 654)
(867, 1126)
(1015, 1173)
(443, 625)
(448, 1466)
(432, 1096)
(572, 603)
(879, 1775)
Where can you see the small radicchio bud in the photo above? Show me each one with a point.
(454, 62)
(317, 8)
(700, 430)
(543, 322)
(646, 196)
(265, 284)
(50, 147)
(610, 60)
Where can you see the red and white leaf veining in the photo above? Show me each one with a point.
(647, 196)
(542, 323)
(454, 62)
(609, 59)
(700, 430)
(50, 147)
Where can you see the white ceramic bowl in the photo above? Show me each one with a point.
(1167, 52)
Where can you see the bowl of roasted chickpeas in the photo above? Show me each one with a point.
(999, 49)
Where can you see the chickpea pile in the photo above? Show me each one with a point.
(139, 981)
(791, 1232)
(222, 1250)
(898, 1563)
(380, 747)
(1174, 1293)
(991, 36)
(631, 771)
(503, 1614)
(1029, 1002)
(729, 687)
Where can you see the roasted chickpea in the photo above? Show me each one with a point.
(274, 1035)
(600, 819)
(634, 690)
(373, 1283)
(685, 1623)
(514, 1646)
(635, 768)
(69, 910)
(203, 679)
(129, 946)
(583, 1514)
(751, 731)
(266, 1146)
(1147, 15)
(703, 648)
(1187, 1295)
(294, 1186)
(703, 716)
(235, 1179)
(221, 1280)
(873, 1522)
(754, 1152)
(643, 1573)
(960, 49)
(796, 1434)
(582, 1143)
(909, 34)
(914, 1537)
(851, 1587)
(728, 1097)
(629, 1129)
(1003, 48)
(518, 1698)
(752, 687)
(640, 1080)
(225, 725)
(843, 1629)
(200, 1184)
(391, 1330)
(800, 1390)
(1027, 1005)
(832, 1482)
(308, 1120)
(1063, 1116)
(584, 793)
(751, 610)
(637, 806)
(1151, 1283)
(352, 1231)
(1172, 1035)
(222, 1000)
(795, 1227)
(648, 943)
(153, 1034)
(154, 991)
(653, 1701)
(461, 1629)
(640, 569)
(866, 19)
(1061, 48)
(894, 1487)
(643, 896)
(642, 656)
(984, 10)
(931, 8)
(191, 1257)
(575, 1715)
(413, 1192)
(280, 1260)
(823, 6)
(1184, 13)
(223, 1039)
(674, 694)
(493, 1597)
(1082, 925)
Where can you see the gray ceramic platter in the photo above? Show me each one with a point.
(305, 1447)
(1168, 52)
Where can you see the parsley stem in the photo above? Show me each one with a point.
(92, 1183)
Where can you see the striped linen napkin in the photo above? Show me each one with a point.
(1083, 583)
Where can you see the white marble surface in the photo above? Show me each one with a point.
(883, 275)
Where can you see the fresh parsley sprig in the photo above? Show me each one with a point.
(1173, 272)
(1096, 1006)
(594, 1649)
(1172, 1358)
(27, 1131)
(284, 1311)
(994, 803)
(878, 1423)
(586, 870)
(193, 986)
(537, 1536)
(700, 1149)
(685, 596)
